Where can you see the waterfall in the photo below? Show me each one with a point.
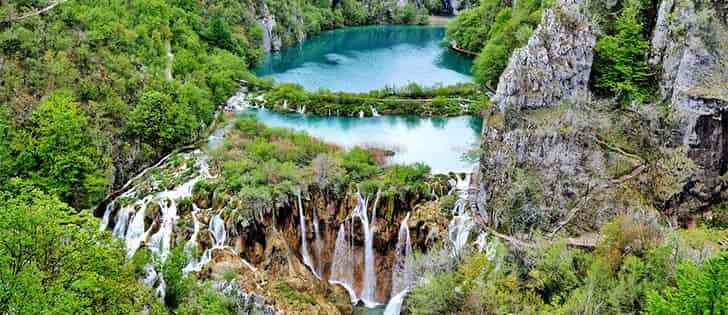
(462, 223)
(193, 264)
(304, 245)
(401, 273)
(318, 244)
(361, 114)
(107, 216)
(394, 306)
(160, 242)
(135, 233)
(217, 229)
(130, 223)
(122, 222)
(302, 110)
(342, 265)
(370, 280)
(375, 113)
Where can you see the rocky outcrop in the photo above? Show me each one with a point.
(690, 47)
(556, 159)
(555, 64)
(244, 302)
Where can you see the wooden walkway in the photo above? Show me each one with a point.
(454, 46)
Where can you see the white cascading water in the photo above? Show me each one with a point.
(318, 244)
(130, 222)
(361, 114)
(375, 113)
(122, 222)
(342, 265)
(218, 231)
(462, 222)
(304, 244)
(302, 110)
(370, 280)
(394, 306)
(135, 233)
(194, 264)
(401, 273)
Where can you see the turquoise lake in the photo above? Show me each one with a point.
(440, 143)
(362, 59)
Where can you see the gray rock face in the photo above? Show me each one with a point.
(553, 155)
(555, 64)
(690, 47)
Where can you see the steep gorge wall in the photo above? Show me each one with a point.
(557, 158)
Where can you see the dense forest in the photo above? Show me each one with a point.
(94, 91)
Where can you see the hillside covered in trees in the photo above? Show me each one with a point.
(600, 186)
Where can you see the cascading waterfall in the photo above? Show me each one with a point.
(130, 218)
(122, 222)
(462, 222)
(375, 113)
(217, 229)
(342, 266)
(401, 273)
(370, 281)
(394, 306)
(361, 114)
(194, 264)
(304, 244)
(318, 244)
(135, 233)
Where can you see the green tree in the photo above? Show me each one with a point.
(56, 151)
(700, 290)
(54, 262)
(620, 64)
(160, 122)
(178, 284)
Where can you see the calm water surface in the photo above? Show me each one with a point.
(362, 59)
(437, 142)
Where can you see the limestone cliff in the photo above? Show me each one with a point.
(555, 64)
(557, 158)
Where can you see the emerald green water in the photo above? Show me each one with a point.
(362, 59)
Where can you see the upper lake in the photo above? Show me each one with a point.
(362, 59)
